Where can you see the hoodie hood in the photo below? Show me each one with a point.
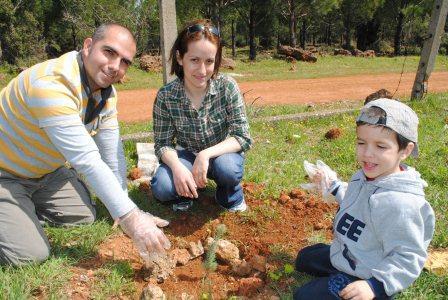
(407, 181)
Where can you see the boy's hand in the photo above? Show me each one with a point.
(357, 290)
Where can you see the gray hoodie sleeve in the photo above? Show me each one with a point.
(405, 225)
(338, 189)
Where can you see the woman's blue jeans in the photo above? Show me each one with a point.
(226, 170)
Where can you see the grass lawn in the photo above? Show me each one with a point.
(277, 161)
(268, 68)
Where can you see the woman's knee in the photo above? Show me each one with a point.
(162, 185)
(228, 169)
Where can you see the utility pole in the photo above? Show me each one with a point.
(430, 48)
(168, 34)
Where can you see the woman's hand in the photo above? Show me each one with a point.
(200, 168)
(357, 290)
(184, 182)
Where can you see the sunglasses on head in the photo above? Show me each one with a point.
(200, 27)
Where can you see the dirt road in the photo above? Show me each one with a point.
(136, 105)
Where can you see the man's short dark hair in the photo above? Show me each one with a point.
(100, 31)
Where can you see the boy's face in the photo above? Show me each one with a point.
(377, 151)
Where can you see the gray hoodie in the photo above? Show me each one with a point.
(383, 228)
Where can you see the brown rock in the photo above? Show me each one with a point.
(152, 292)
(180, 256)
(249, 286)
(258, 263)
(241, 268)
(225, 250)
(195, 249)
(160, 267)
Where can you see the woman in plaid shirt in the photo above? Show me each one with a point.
(200, 124)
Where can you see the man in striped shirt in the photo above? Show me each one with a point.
(64, 111)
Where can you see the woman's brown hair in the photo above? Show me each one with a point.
(194, 31)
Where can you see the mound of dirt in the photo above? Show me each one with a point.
(333, 133)
(271, 228)
(151, 63)
(228, 63)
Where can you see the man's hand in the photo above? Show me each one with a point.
(357, 290)
(200, 168)
(184, 182)
(143, 229)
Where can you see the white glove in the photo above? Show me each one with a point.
(143, 229)
(322, 179)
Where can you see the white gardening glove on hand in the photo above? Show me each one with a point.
(322, 179)
(143, 229)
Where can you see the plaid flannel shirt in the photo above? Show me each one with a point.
(222, 115)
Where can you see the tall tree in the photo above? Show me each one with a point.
(355, 12)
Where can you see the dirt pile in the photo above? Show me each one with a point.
(297, 53)
(150, 63)
(255, 240)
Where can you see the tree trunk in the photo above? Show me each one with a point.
(347, 32)
(398, 32)
(303, 34)
(74, 36)
(292, 23)
(252, 45)
(233, 40)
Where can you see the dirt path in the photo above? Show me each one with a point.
(136, 105)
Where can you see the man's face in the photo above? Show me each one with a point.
(107, 60)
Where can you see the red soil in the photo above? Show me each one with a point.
(273, 226)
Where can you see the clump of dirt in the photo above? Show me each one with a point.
(228, 63)
(270, 229)
(150, 63)
(134, 174)
(333, 133)
(382, 93)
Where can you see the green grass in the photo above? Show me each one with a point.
(275, 160)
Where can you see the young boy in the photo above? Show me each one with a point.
(384, 224)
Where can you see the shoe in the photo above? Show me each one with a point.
(182, 204)
(239, 208)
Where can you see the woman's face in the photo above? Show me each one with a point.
(198, 64)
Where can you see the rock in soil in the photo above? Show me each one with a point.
(249, 286)
(180, 256)
(195, 249)
(152, 292)
(225, 250)
(258, 263)
(160, 267)
(241, 268)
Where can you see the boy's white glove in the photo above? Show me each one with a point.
(143, 229)
(322, 179)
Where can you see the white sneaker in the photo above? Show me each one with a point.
(239, 208)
